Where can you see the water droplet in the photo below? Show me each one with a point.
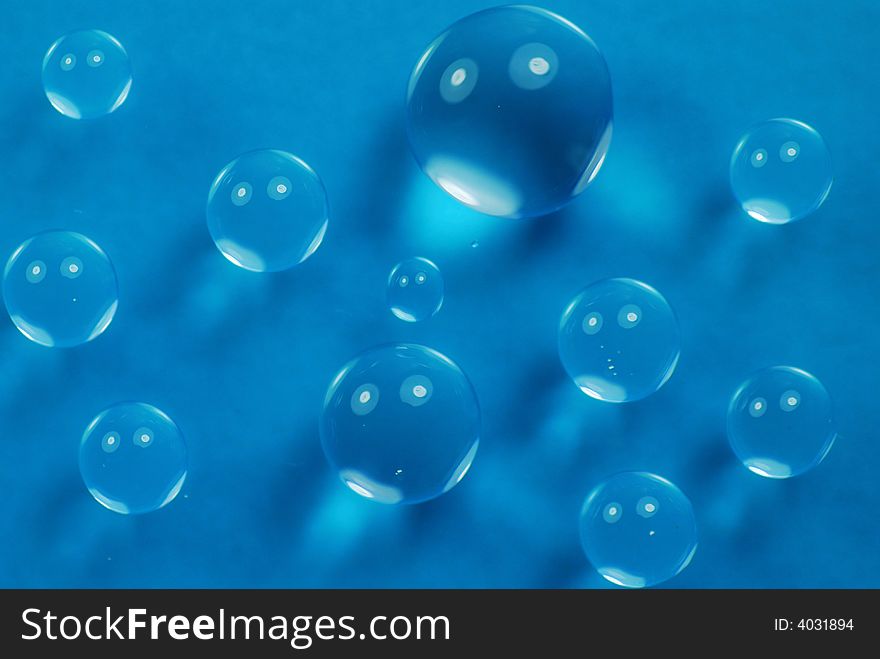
(43, 303)
(137, 476)
(788, 439)
(415, 303)
(787, 188)
(466, 104)
(616, 543)
(276, 227)
(85, 92)
(644, 342)
(429, 430)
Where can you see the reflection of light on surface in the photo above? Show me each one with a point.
(107, 502)
(462, 469)
(621, 578)
(446, 226)
(600, 389)
(316, 242)
(243, 258)
(106, 319)
(122, 96)
(689, 558)
(174, 491)
(474, 187)
(34, 333)
(596, 162)
(768, 468)
(364, 492)
(403, 315)
(417, 71)
(457, 191)
(63, 105)
(539, 66)
(767, 210)
(366, 487)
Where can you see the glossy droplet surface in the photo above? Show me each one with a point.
(780, 171)
(401, 424)
(86, 74)
(618, 340)
(60, 289)
(509, 111)
(780, 422)
(415, 289)
(133, 458)
(267, 211)
(638, 529)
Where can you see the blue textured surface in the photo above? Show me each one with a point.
(241, 360)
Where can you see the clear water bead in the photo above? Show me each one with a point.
(509, 111)
(133, 458)
(638, 529)
(401, 424)
(86, 74)
(780, 422)
(619, 340)
(780, 171)
(267, 211)
(415, 289)
(60, 289)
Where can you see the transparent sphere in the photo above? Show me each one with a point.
(780, 171)
(267, 211)
(509, 111)
(60, 289)
(638, 529)
(780, 422)
(619, 340)
(401, 424)
(133, 458)
(86, 74)
(415, 289)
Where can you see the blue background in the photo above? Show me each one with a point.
(241, 360)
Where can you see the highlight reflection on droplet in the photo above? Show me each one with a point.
(400, 424)
(638, 529)
(60, 289)
(486, 77)
(788, 437)
(627, 357)
(141, 474)
(267, 211)
(415, 289)
(86, 74)
(780, 171)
